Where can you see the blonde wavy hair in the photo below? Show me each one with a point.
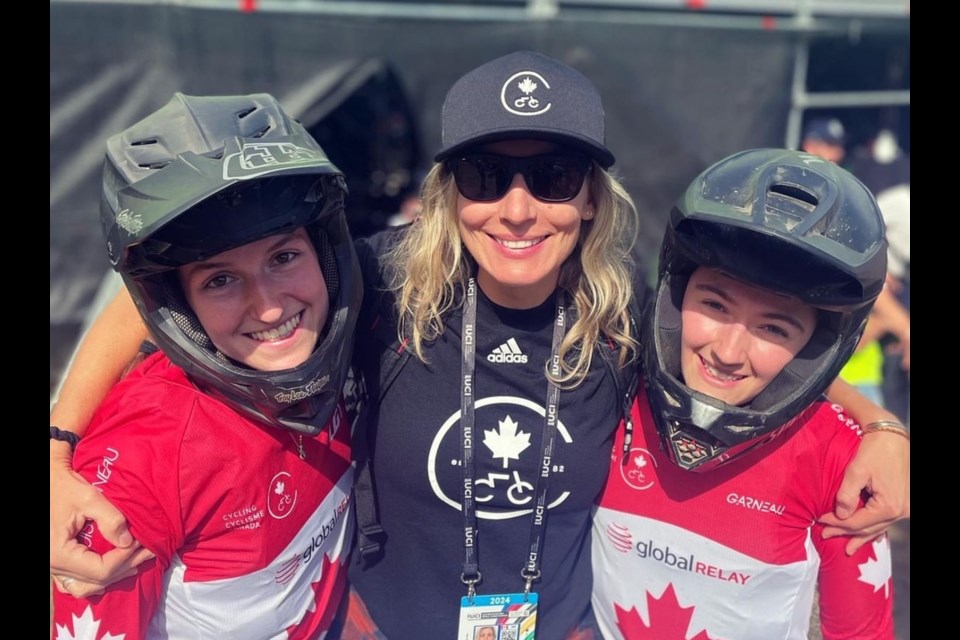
(428, 269)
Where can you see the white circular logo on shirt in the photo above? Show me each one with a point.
(282, 496)
(504, 443)
(637, 469)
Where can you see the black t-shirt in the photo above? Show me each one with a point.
(416, 453)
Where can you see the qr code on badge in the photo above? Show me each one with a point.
(511, 632)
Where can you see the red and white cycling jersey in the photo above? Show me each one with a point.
(735, 553)
(251, 541)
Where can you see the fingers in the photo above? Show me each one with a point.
(112, 524)
(76, 588)
(75, 560)
(863, 526)
(848, 496)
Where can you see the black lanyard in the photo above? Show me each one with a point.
(471, 565)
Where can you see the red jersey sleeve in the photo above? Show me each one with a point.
(130, 453)
(856, 592)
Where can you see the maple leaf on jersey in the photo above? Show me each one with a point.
(640, 461)
(528, 86)
(668, 620)
(86, 627)
(327, 591)
(877, 572)
(279, 489)
(508, 443)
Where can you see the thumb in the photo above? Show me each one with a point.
(848, 496)
(111, 523)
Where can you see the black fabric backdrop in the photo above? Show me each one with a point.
(676, 98)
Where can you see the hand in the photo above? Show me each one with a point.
(881, 469)
(87, 572)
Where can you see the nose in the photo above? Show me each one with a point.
(263, 300)
(518, 205)
(730, 344)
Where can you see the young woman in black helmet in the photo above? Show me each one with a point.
(707, 527)
(521, 211)
(228, 451)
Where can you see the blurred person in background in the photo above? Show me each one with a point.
(885, 168)
(889, 326)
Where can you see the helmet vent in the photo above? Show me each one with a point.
(155, 165)
(243, 114)
(140, 143)
(799, 195)
(261, 133)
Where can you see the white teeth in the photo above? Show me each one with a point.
(726, 377)
(278, 333)
(520, 244)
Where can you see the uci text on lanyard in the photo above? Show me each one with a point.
(510, 616)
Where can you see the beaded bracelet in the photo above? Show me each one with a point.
(65, 436)
(887, 425)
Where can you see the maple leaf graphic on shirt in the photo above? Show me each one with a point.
(877, 572)
(640, 461)
(668, 620)
(508, 443)
(86, 627)
(279, 489)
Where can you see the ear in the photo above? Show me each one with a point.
(589, 211)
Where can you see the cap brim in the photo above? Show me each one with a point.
(597, 152)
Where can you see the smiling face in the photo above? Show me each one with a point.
(263, 304)
(736, 337)
(487, 633)
(518, 241)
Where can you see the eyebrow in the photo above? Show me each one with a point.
(205, 265)
(717, 291)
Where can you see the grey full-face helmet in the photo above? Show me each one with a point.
(206, 174)
(785, 221)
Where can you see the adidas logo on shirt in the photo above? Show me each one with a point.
(509, 351)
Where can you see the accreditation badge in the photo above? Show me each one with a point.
(508, 616)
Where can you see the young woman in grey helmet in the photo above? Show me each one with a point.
(228, 451)
(522, 226)
(707, 527)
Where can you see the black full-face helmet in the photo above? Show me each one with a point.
(204, 175)
(785, 221)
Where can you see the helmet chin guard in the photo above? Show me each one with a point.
(786, 221)
(204, 175)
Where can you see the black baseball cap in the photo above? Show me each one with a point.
(524, 94)
(829, 130)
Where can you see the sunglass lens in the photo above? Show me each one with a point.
(555, 178)
(481, 179)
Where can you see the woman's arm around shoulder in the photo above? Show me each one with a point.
(111, 342)
(881, 468)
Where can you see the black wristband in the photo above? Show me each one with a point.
(65, 436)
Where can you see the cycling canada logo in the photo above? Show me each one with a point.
(638, 469)
(282, 496)
(523, 94)
(508, 460)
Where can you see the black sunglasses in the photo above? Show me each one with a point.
(552, 177)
